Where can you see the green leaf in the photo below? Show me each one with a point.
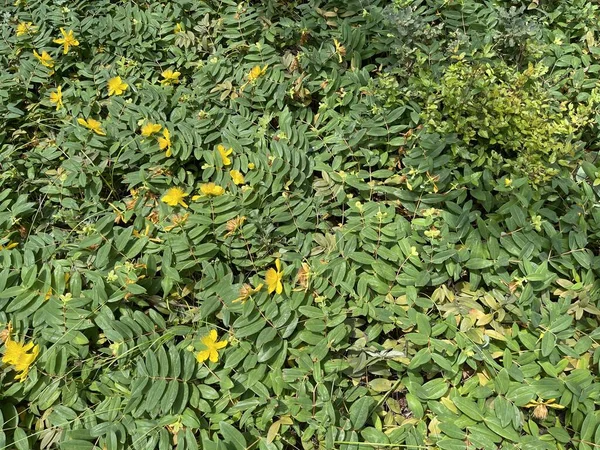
(468, 407)
(478, 263)
(360, 411)
(76, 444)
(548, 343)
(432, 390)
(423, 356)
(506, 432)
(232, 436)
(21, 439)
(451, 444)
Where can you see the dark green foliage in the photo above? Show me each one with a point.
(426, 172)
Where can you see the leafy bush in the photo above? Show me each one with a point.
(278, 224)
(506, 119)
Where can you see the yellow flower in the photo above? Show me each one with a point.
(93, 125)
(256, 72)
(225, 154)
(44, 58)
(212, 347)
(273, 278)
(507, 182)
(178, 28)
(26, 28)
(174, 197)
(253, 75)
(150, 128)
(247, 291)
(212, 189)
(165, 142)
(20, 356)
(170, 77)
(251, 166)
(237, 176)
(56, 98)
(116, 86)
(68, 40)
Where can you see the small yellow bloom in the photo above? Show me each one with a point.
(116, 86)
(256, 72)
(225, 154)
(44, 58)
(20, 356)
(174, 197)
(212, 347)
(165, 142)
(56, 98)
(246, 292)
(507, 182)
(273, 278)
(170, 77)
(178, 28)
(212, 189)
(150, 128)
(251, 166)
(26, 28)
(93, 125)
(68, 40)
(237, 176)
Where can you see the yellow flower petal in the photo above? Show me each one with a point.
(44, 58)
(225, 154)
(56, 98)
(165, 142)
(237, 177)
(18, 355)
(67, 41)
(150, 128)
(174, 197)
(93, 125)
(256, 72)
(212, 189)
(272, 280)
(26, 28)
(202, 355)
(116, 86)
(212, 347)
(170, 77)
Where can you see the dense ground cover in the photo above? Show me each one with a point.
(286, 224)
